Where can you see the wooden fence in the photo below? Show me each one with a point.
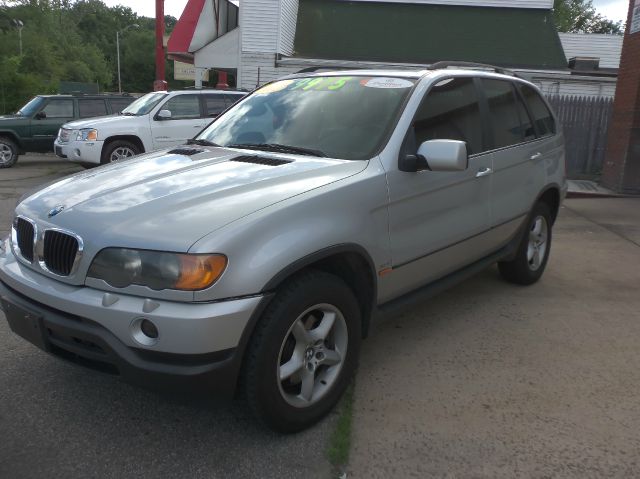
(585, 121)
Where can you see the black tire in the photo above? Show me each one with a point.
(111, 147)
(260, 383)
(8, 152)
(523, 270)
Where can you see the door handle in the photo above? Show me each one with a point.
(535, 156)
(484, 172)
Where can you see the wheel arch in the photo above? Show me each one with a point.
(350, 262)
(13, 137)
(136, 140)
(552, 197)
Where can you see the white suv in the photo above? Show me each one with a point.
(156, 120)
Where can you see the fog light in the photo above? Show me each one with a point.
(144, 331)
(149, 329)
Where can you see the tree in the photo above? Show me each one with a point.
(580, 16)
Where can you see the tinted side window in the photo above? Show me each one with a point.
(183, 107)
(542, 118)
(59, 109)
(213, 105)
(119, 104)
(90, 108)
(231, 99)
(505, 122)
(451, 111)
(525, 120)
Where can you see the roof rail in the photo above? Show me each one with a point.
(327, 67)
(447, 64)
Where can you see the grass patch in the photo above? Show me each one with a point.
(340, 441)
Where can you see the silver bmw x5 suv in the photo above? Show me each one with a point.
(253, 258)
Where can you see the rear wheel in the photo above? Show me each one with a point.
(532, 255)
(303, 352)
(119, 150)
(8, 152)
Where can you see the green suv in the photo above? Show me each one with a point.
(34, 127)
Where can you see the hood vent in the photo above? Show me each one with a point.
(186, 151)
(261, 160)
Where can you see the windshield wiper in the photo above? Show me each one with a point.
(198, 141)
(278, 148)
(128, 113)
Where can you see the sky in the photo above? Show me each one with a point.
(612, 9)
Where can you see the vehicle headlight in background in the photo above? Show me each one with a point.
(87, 134)
(121, 267)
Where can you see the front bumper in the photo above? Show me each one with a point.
(199, 347)
(79, 151)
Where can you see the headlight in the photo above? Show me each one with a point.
(157, 270)
(87, 134)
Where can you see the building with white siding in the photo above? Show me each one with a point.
(273, 38)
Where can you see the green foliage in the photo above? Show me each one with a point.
(66, 40)
(580, 16)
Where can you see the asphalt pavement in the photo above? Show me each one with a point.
(59, 420)
(493, 380)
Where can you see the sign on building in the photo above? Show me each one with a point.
(635, 18)
(185, 71)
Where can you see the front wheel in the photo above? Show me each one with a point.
(303, 352)
(8, 152)
(533, 252)
(119, 150)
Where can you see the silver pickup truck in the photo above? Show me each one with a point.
(253, 258)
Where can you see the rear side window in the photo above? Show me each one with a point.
(90, 108)
(183, 107)
(59, 109)
(451, 111)
(542, 117)
(213, 105)
(231, 99)
(505, 121)
(119, 104)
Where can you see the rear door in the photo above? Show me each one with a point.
(518, 156)
(48, 120)
(438, 221)
(185, 122)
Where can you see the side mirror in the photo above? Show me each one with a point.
(41, 115)
(164, 115)
(444, 155)
(437, 155)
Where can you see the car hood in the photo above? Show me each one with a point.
(167, 200)
(119, 120)
(13, 117)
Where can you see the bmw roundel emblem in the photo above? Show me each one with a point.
(56, 210)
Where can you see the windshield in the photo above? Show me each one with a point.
(339, 117)
(144, 104)
(32, 107)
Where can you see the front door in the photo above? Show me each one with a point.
(185, 121)
(48, 120)
(438, 221)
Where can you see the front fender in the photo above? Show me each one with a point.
(266, 246)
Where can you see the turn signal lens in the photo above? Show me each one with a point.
(92, 135)
(199, 271)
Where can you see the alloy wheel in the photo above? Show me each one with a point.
(537, 246)
(311, 355)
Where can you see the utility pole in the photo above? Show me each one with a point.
(160, 84)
